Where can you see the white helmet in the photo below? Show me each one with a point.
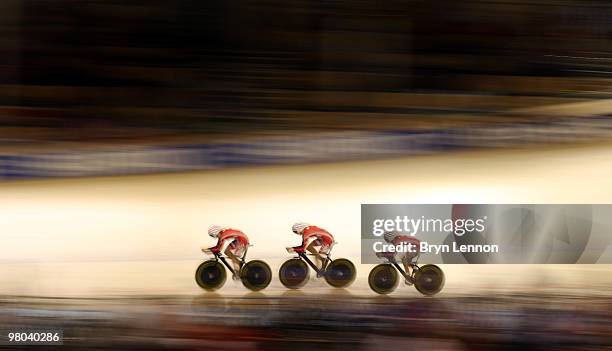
(298, 228)
(390, 236)
(214, 231)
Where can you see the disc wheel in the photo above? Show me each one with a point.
(383, 279)
(210, 275)
(256, 275)
(429, 280)
(340, 273)
(294, 273)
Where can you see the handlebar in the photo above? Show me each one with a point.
(208, 251)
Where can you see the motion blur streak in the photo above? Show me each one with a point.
(92, 73)
(116, 87)
(106, 240)
(134, 217)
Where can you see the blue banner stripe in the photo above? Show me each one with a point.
(323, 147)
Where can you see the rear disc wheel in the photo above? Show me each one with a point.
(294, 273)
(383, 279)
(210, 275)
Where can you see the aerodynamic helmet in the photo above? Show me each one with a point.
(390, 236)
(299, 227)
(214, 231)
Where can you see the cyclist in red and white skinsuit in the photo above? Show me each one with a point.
(234, 241)
(407, 258)
(315, 240)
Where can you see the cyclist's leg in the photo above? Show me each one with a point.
(234, 257)
(312, 248)
(407, 262)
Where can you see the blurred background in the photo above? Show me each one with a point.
(112, 72)
(258, 114)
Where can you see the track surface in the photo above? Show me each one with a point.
(141, 234)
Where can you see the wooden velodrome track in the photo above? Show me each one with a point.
(142, 234)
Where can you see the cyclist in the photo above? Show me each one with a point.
(315, 240)
(409, 257)
(234, 241)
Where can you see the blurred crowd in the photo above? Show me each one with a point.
(334, 322)
(93, 71)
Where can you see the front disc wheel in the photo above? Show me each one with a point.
(340, 273)
(429, 279)
(256, 275)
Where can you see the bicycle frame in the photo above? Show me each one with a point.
(303, 256)
(222, 258)
(402, 271)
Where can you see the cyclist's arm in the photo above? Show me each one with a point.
(220, 245)
(310, 241)
(299, 248)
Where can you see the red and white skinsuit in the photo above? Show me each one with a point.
(237, 242)
(408, 256)
(318, 237)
